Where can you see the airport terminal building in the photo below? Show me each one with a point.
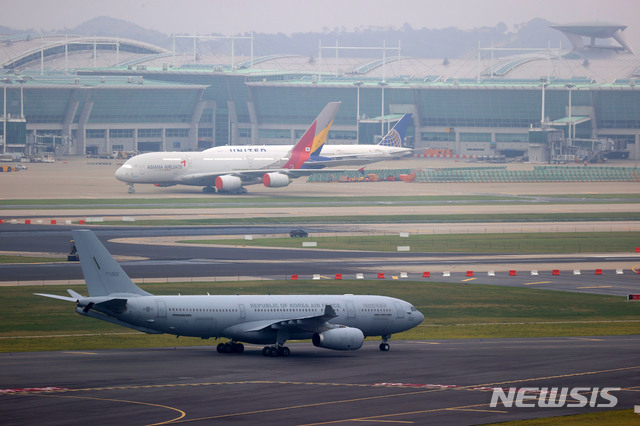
(89, 95)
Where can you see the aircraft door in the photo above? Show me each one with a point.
(243, 311)
(162, 308)
(351, 310)
(399, 310)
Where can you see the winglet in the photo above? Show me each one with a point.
(314, 137)
(397, 133)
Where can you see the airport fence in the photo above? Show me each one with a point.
(498, 174)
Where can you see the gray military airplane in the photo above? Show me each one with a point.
(338, 322)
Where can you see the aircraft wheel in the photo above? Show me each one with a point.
(228, 348)
(238, 348)
(285, 351)
(266, 351)
(384, 347)
(273, 351)
(220, 348)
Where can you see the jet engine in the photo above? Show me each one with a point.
(275, 180)
(228, 183)
(340, 339)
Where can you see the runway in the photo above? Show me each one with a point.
(446, 382)
(144, 260)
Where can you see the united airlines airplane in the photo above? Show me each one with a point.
(229, 168)
(339, 322)
(389, 148)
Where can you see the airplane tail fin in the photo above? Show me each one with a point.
(397, 133)
(313, 138)
(102, 274)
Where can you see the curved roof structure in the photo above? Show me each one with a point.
(20, 53)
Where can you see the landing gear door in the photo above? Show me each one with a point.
(399, 310)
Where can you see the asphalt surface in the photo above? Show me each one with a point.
(168, 261)
(422, 382)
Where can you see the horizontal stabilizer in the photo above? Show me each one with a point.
(77, 296)
(55, 296)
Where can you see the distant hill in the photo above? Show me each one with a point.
(111, 27)
(423, 42)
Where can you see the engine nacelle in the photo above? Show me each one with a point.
(340, 339)
(228, 183)
(275, 180)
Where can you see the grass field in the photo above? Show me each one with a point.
(615, 417)
(452, 310)
(540, 242)
(29, 259)
(250, 201)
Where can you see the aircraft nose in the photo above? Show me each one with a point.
(419, 316)
(123, 172)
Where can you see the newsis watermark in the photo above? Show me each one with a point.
(577, 397)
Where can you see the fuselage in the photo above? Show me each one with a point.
(241, 317)
(172, 167)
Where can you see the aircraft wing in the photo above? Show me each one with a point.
(304, 323)
(248, 177)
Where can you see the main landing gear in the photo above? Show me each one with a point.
(275, 351)
(230, 348)
(384, 346)
(131, 189)
(209, 190)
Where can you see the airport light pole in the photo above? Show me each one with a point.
(570, 86)
(382, 85)
(544, 85)
(4, 116)
(358, 84)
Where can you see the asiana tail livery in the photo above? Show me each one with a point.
(339, 322)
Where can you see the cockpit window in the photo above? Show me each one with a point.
(413, 309)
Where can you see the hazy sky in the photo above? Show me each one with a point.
(232, 17)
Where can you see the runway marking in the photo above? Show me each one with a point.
(584, 373)
(182, 413)
(319, 404)
(539, 282)
(433, 410)
(80, 353)
(468, 279)
(586, 338)
(439, 388)
(477, 409)
(597, 286)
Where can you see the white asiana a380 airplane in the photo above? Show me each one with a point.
(229, 168)
(338, 322)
